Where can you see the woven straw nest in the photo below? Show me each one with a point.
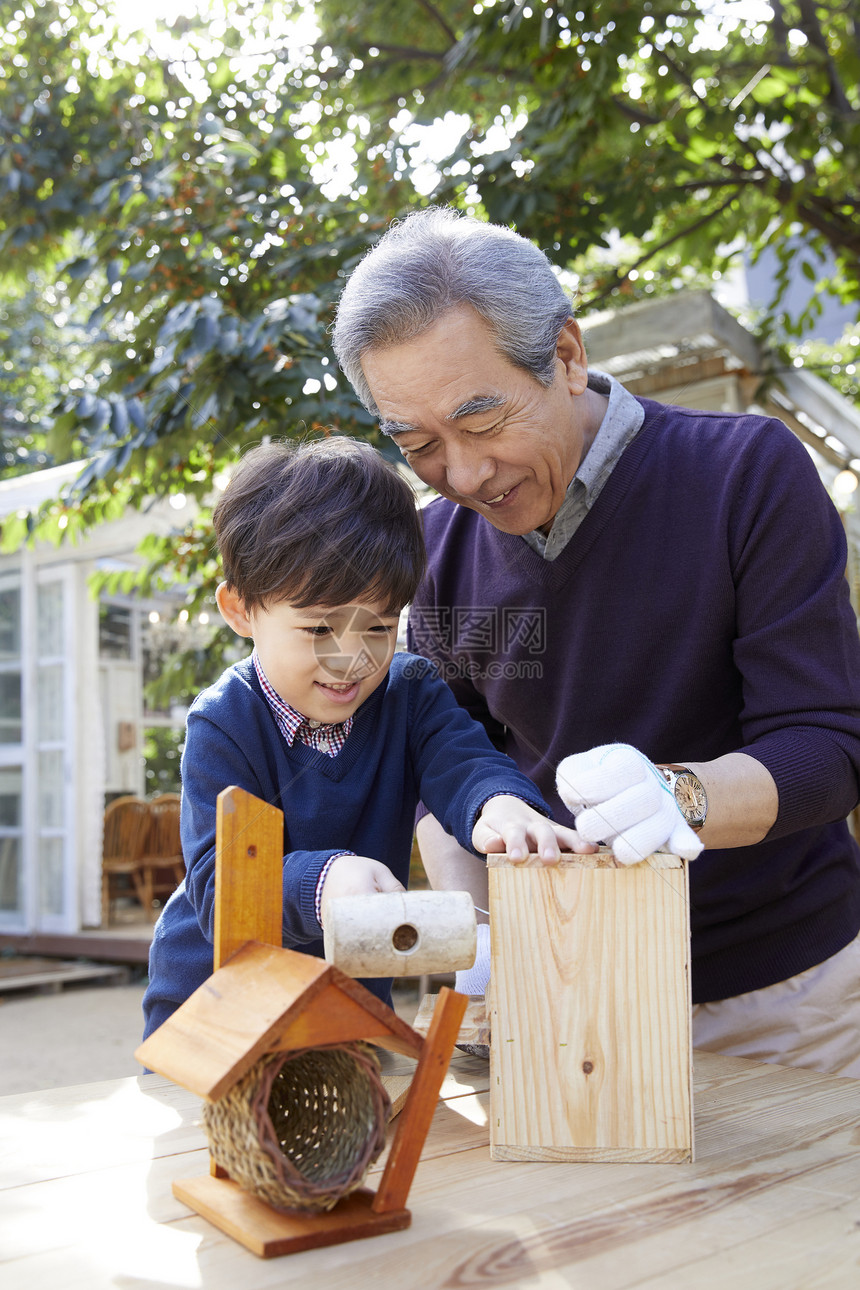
(301, 1129)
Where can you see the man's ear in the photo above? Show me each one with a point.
(570, 348)
(233, 610)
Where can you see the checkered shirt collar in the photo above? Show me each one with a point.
(293, 725)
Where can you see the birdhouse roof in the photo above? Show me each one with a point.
(262, 1000)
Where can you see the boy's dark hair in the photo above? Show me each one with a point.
(324, 522)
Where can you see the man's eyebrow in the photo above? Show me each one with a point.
(472, 407)
(396, 427)
(478, 403)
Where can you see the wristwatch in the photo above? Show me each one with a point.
(689, 794)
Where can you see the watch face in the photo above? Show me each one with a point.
(691, 797)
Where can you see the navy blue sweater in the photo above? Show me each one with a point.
(410, 740)
(701, 608)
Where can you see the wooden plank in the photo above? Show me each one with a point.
(397, 1088)
(475, 1028)
(741, 1106)
(249, 859)
(126, 945)
(49, 976)
(590, 1013)
(770, 1203)
(269, 1233)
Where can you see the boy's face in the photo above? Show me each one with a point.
(324, 662)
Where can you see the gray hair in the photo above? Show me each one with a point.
(435, 260)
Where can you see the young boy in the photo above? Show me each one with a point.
(322, 547)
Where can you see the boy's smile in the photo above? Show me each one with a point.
(323, 661)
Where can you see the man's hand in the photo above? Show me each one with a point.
(507, 824)
(356, 876)
(619, 797)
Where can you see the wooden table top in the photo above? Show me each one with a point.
(772, 1202)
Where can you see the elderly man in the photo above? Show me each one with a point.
(652, 597)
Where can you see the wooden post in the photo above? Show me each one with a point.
(249, 864)
(249, 883)
(590, 1010)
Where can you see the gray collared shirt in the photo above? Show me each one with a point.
(621, 423)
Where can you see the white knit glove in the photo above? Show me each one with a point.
(474, 980)
(619, 797)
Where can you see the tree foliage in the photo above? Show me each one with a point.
(175, 215)
(167, 205)
(687, 129)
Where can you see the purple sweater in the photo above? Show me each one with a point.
(701, 608)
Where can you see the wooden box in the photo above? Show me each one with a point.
(589, 1010)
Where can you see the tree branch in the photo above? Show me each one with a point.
(780, 31)
(439, 19)
(410, 52)
(635, 114)
(620, 276)
(811, 29)
(841, 234)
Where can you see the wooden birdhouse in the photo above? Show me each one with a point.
(279, 1046)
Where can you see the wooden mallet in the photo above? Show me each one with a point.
(410, 933)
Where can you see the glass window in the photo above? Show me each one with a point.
(49, 612)
(115, 634)
(10, 707)
(51, 790)
(51, 875)
(10, 875)
(10, 623)
(50, 703)
(10, 799)
(11, 890)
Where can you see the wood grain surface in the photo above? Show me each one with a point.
(772, 1202)
(590, 1013)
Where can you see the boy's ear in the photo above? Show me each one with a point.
(233, 610)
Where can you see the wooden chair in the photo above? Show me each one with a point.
(162, 863)
(126, 832)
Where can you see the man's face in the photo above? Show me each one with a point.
(482, 432)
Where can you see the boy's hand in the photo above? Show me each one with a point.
(356, 876)
(507, 824)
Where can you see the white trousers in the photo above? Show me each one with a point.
(811, 1020)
